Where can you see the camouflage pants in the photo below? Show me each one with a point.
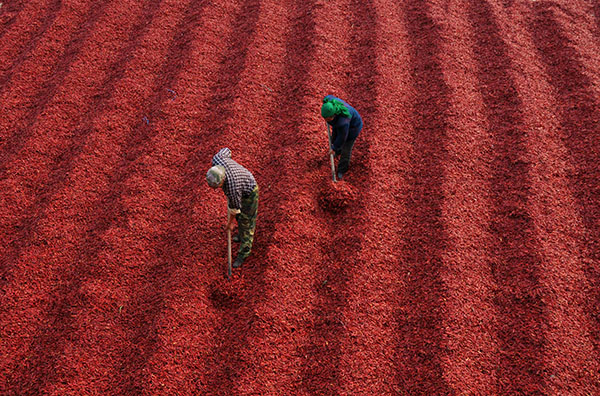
(247, 223)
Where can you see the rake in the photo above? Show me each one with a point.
(228, 247)
(331, 155)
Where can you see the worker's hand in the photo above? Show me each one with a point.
(331, 152)
(231, 224)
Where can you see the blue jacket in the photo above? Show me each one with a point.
(344, 128)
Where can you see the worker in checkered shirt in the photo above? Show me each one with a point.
(241, 191)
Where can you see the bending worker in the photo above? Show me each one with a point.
(241, 191)
(346, 124)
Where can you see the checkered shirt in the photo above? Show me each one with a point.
(238, 180)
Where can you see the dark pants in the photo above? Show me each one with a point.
(345, 154)
(247, 223)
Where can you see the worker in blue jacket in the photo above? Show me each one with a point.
(346, 124)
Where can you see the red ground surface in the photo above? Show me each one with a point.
(460, 255)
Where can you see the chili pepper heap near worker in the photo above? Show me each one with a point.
(346, 124)
(241, 191)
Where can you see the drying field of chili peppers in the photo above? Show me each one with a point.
(459, 256)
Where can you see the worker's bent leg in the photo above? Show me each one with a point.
(247, 223)
(345, 156)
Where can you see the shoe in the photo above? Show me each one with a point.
(235, 238)
(340, 176)
(237, 263)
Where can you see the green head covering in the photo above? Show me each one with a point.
(333, 107)
(215, 176)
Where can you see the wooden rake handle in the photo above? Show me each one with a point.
(331, 155)
(228, 248)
